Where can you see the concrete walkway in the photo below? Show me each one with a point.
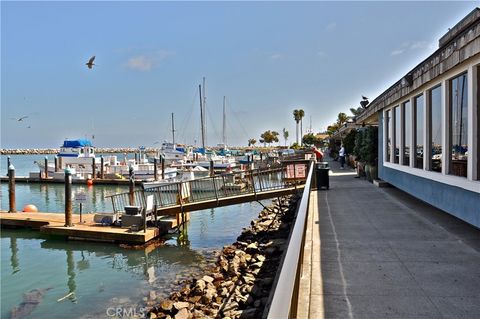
(379, 253)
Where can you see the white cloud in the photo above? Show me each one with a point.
(397, 52)
(331, 26)
(148, 61)
(275, 56)
(411, 46)
(419, 45)
(322, 54)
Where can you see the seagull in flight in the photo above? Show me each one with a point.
(365, 98)
(20, 119)
(90, 63)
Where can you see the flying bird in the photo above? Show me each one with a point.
(19, 119)
(365, 98)
(90, 63)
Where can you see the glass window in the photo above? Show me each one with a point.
(437, 131)
(397, 135)
(459, 125)
(407, 132)
(419, 131)
(388, 124)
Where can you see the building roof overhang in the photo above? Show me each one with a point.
(460, 43)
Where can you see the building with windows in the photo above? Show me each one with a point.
(428, 121)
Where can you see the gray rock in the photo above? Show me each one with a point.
(258, 264)
(183, 314)
(230, 306)
(152, 295)
(207, 279)
(166, 304)
(181, 305)
(200, 285)
(209, 295)
(260, 258)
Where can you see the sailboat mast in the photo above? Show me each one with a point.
(204, 112)
(173, 130)
(224, 124)
(201, 116)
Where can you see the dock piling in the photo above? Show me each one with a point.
(155, 169)
(55, 159)
(11, 189)
(163, 167)
(212, 172)
(93, 169)
(131, 186)
(68, 198)
(46, 167)
(8, 164)
(102, 171)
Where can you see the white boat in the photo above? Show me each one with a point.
(79, 156)
(197, 174)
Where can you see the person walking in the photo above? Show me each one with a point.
(342, 154)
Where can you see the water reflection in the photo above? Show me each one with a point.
(14, 259)
(75, 274)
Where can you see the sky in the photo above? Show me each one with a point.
(266, 58)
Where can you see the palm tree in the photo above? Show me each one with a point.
(251, 142)
(285, 135)
(296, 115)
(302, 114)
(342, 119)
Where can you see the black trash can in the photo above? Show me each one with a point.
(321, 175)
(132, 210)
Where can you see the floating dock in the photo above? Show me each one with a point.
(54, 224)
(97, 181)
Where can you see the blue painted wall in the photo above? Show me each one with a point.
(454, 200)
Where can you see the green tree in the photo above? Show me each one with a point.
(332, 128)
(349, 141)
(285, 135)
(342, 119)
(356, 111)
(251, 142)
(310, 140)
(269, 137)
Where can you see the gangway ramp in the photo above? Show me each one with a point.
(219, 190)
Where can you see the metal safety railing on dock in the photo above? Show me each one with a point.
(169, 194)
(285, 294)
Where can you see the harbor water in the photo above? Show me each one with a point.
(100, 279)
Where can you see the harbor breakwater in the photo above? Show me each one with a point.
(240, 283)
(37, 151)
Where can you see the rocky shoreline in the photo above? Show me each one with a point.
(239, 284)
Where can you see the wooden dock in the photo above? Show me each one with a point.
(49, 180)
(54, 224)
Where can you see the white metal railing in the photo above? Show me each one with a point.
(285, 295)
